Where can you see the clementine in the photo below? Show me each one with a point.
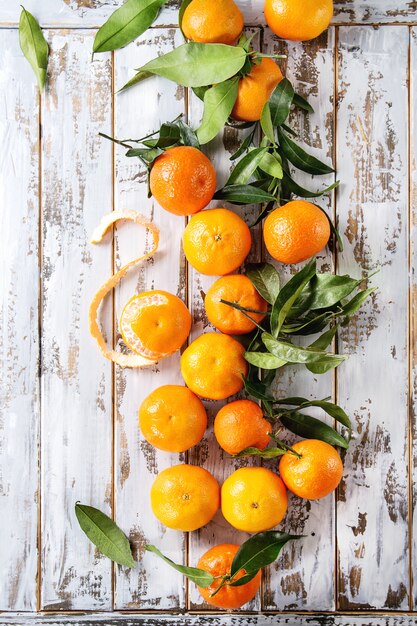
(241, 424)
(212, 22)
(255, 89)
(298, 20)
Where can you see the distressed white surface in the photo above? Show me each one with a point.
(413, 299)
(76, 428)
(19, 341)
(372, 527)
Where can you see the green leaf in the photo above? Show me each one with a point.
(294, 354)
(243, 194)
(289, 294)
(200, 91)
(33, 45)
(147, 155)
(355, 304)
(126, 24)
(257, 390)
(302, 103)
(297, 190)
(198, 576)
(259, 551)
(188, 136)
(264, 360)
(184, 5)
(268, 453)
(245, 168)
(324, 340)
(300, 158)
(243, 146)
(312, 428)
(326, 290)
(265, 279)
(280, 102)
(218, 104)
(330, 408)
(271, 165)
(105, 534)
(194, 64)
(266, 123)
(326, 364)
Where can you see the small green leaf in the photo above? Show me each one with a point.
(280, 102)
(302, 103)
(297, 190)
(184, 5)
(264, 360)
(34, 45)
(325, 364)
(268, 453)
(257, 390)
(243, 194)
(266, 123)
(245, 168)
(326, 290)
(188, 136)
(312, 428)
(218, 104)
(198, 576)
(294, 354)
(300, 158)
(355, 304)
(244, 145)
(126, 23)
(200, 91)
(147, 155)
(105, 534)
(265, 279)
(271, 165)
(325, 339)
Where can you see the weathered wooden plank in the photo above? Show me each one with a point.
(413, 300)
(92, 13)
(292, 583)
(372, 509)
(76, 381)
(153, 584)
(19, 336)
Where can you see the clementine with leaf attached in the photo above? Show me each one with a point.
(296, 231)
(298, 20)
(155, 324)
(217, 561)
(182, 180)
(213, 366)
(254, 499)
(316, 473)
(172, 418)
(206, 21)
(185, 497)
(216, 241)
(240, 425)
(237, 289)
(255, 89)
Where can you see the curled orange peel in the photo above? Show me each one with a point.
(124, 360)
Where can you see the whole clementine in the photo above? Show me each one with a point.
(241, 424)
(216, 241)
(212, 22)
(254, 499)
(155, 324)
(296, 231)
(172, 418)
(182, 180)
(237, 289)
(185, 497)
(298, 20)
(255, 89)
(316, 473)
(213, 366)
(217, 561)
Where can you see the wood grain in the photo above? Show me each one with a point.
(372, 510)
(138, 112)
(413, 307)
(76, 380)
(19, 337)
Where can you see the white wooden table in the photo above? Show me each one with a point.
(68, 425)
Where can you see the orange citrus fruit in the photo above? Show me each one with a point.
(217, 561)
(255, 89)
(213, 366)
(296, 231)
(206, 21)
(254, 499)
(172, 418)
(155, 324)
(239, 290)
(216, 242)
(298, 20)
(182, 180)
(316, 474)
(241, 424)
(185, 497)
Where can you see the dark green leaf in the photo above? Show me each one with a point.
(302, 103)
(257, 390)
(244, 145)
(325, 364)
(198, 576)
(280, 102)
(246, 167)
(268, 453)
(266, 123)
(200, 91)
(325, 290)
(300, 158)
(297, 190)
(105, 534)
(259, 551)
(148, 155)
(294, 354)
(324, 340)
(312, 428)
(195, 64)
(355, 304)
(126, 24)
(265, 279)
(184, 5)
(330, 408)
(289, 294)
(243, 194)
(188, 136)
(218, 104)
(271, 165)
(33, 45)
(264, 360)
